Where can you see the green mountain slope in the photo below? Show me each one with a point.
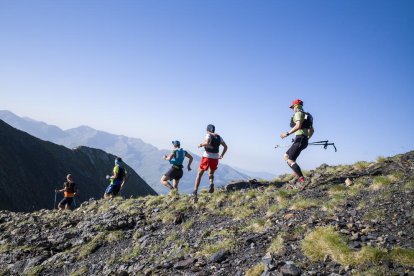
(350, 220)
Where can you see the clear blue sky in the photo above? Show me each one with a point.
(163, 70)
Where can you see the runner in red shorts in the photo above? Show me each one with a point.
(210, 158)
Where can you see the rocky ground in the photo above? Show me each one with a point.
(349, 220)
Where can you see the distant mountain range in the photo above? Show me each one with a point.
(144, 158)
(31, 169)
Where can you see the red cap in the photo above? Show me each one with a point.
(295, 102)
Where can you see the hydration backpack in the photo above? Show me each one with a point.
(70, 187)
(121, 173)
(214, 145)
(178, 157)
(307, 122)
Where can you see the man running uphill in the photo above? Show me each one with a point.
(301, 124)
(70, 191)
(117, 180)
(176, 159)
(210, 158)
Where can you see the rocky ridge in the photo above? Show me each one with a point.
(350, 220)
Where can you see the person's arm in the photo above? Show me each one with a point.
(224, 149)
(311, 131)
(168, 157)
(206, 143)
(115, 173)
(297, 126)
(76, 192)
(124, 179)
(190, 157)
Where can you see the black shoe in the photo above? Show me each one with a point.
(211, 190)
(195, 198)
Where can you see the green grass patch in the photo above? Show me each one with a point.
(80, 272)
(361, 165)
(402, 256)
(34, 271)
(301, 203)
(375, 214)
(134, 253)
(187, 225)
(381, 159)
(379, 182)
(93, 245)
(4, 248)
(277, 244)
(129, 206)
(256, 270)
(375, 271)
(224, 240)
(114, 236)
(167, 216)
(257, 225)
(409, 186)
(154, 201)
(396, 176)
(284, 195)
(325, 241)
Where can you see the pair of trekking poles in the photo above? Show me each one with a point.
(325, 144)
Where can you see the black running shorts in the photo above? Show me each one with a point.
(174, 173)
(300, 143)
(66, 201)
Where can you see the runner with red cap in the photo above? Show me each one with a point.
(302, 126)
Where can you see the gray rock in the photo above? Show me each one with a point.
(219, 256)
(290, 270)
(185, 263)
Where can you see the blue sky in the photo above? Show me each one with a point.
(163, 70)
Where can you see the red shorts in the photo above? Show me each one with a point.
(208, 163)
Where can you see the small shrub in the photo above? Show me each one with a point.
(256, 270)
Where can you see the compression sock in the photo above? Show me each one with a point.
(297, 169)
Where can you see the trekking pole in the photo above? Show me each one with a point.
(74, 202)
(325, 144)
(54, 204)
